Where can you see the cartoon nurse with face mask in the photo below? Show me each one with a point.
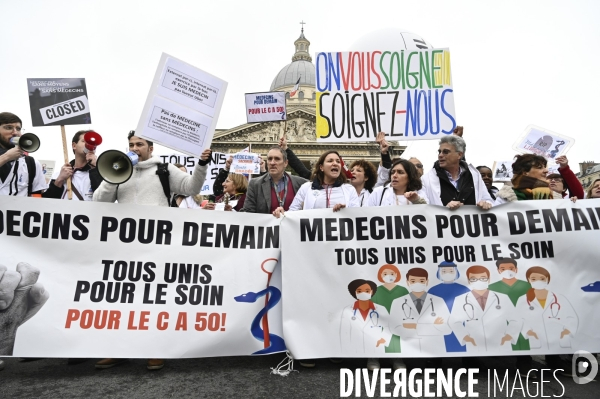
(364, 324)
(549, 319)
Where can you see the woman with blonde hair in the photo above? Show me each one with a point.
(234, 194)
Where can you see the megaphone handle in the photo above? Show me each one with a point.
(66, 153)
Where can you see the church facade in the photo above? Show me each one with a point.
(300, 125)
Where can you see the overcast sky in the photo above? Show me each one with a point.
(514, 63)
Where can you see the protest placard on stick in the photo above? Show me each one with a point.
(266, 107)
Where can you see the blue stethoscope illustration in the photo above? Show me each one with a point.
(554, 308)
(373, 312)
(471, 316)
(407, 317)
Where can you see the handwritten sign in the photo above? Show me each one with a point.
(245, 163)
(406, 94)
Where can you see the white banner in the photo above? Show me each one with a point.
(217, 162)
(371, 282)
(182, 107)
(406, 94)
(265, 107)
(116, 280)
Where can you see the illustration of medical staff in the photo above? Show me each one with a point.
(513, 288)
(364, 325)
(419, 318)
(389, 275)
(549, 319)
(449, 289)
(482, 319)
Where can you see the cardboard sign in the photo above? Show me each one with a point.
(266, 107)
(245, 163)
(502, 171)
(182, 107)
(58, 102)
(406, 94)
(540, 141)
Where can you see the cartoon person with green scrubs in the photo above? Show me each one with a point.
(389, 275)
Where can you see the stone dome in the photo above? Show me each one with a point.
(301, 67)
(289, 74)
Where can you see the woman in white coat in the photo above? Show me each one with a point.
(403, 187)
(364, 177)
(328, 189)
(364, 324)
(549, 319)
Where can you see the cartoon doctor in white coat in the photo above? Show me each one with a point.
(484, 320)
(420, 319)
(549, 319)
(364, 324)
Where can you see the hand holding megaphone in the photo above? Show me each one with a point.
(28, 142)
(116, 167)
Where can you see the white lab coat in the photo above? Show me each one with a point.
(549, 322)
(428, 336)
(359, 337)
(306, 197)
(433, 190)
(488, 326)
(384, 196)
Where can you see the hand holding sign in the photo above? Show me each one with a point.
(21, 297)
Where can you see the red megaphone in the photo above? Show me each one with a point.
(92, 140)
(347, 171)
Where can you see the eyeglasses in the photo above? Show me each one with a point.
(445, 152)
(483, 279)
(10, 128)
(419, 166)
(557, 179)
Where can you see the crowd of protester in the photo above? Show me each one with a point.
(451, 182)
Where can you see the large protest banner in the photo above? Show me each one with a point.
(136, 281)
(542, 298)
(58, 102)
(182, 107)
(406, 94)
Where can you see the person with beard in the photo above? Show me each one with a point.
(20, 174)
(452, 182)
(85, 178)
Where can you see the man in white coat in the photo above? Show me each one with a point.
(483, 320)
(452, 182)
(420, 319)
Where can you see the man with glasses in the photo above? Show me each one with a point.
(418, 164)
(20, 175)
(452, 182)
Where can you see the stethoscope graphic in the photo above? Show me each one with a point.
(554, 308)
(371, 314)
(472, 315)
(407, 317)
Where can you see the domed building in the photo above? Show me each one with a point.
(300, 125)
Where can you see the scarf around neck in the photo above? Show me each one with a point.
(530, 188)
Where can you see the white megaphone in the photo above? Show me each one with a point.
(116, 167)
(28, 142)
